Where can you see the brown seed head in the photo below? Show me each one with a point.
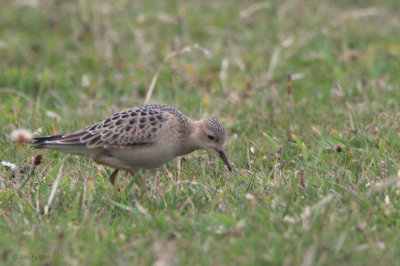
(38, 159)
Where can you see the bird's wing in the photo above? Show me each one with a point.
(130, 128)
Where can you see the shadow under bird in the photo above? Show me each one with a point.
(142, 137)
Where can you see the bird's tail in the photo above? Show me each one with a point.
(41, 142)
(68, 143)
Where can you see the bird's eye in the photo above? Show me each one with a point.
(210, 137)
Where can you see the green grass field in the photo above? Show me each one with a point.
(307, 90)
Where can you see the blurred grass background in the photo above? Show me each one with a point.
(308, 91)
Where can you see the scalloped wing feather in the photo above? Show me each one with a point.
(130, 128)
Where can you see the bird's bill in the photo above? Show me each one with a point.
(223, 157)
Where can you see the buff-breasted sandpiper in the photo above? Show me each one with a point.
(143, 137)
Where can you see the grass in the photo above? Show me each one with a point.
(308, 93)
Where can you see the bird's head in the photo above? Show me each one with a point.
(211, 135)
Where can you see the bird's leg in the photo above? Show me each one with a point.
(113, 176)
(132, 172)
(139, 179)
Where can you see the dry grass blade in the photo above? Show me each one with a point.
(273, 63)
(254, 8)
(360, 13)
(385, 183)
(5, 217)
(53, 191)
(223, 74)
(151, 88)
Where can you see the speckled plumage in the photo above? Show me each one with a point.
(131, 127)
(140, 137)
